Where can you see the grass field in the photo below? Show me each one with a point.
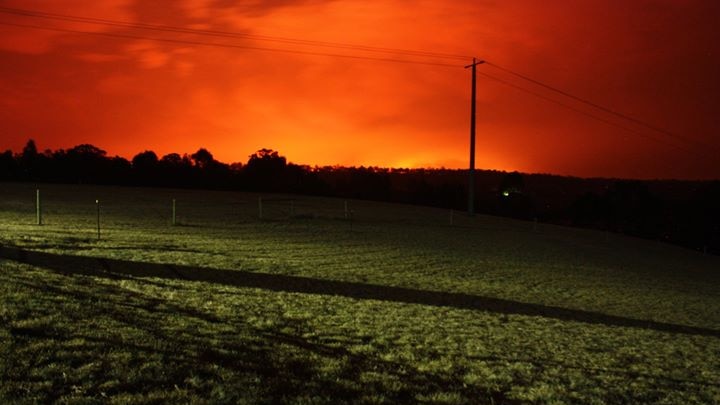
(396, 305)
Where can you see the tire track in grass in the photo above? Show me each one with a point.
(69, 264)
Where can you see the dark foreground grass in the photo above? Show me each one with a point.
(86, 321)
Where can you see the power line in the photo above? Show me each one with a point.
(335, 45)
(199, 43)
(587, 114)
(600, 107)
(227, 34)
(211, 44)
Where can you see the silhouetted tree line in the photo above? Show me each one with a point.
(681, 212)
(631, 207)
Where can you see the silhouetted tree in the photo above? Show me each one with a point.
(29, 152)
(266, 158)
(118, 171)
(202, 158)
(86, 163)
(176, 170)
(147, 160)
(175, 160)
(8, 166)
(266, 171)
(146, 168)
(28, 161)
(208, 172)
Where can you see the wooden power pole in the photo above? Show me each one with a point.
(471, 172)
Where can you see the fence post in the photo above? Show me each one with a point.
(174, 218)
(260, 213)
(346, 209)
(38, 209)
(97, 203)
(452, 216)
(292, 208)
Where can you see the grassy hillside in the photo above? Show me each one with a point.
(396, 304)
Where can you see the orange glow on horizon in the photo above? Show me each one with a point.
(127, 94)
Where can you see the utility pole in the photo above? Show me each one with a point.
(471, 172)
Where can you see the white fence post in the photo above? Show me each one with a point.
(38, 209)
(97, 203)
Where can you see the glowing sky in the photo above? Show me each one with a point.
(656, 60)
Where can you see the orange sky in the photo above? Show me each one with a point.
(656, 60)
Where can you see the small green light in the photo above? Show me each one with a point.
(506, 193)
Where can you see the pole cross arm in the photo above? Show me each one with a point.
(475, 63)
